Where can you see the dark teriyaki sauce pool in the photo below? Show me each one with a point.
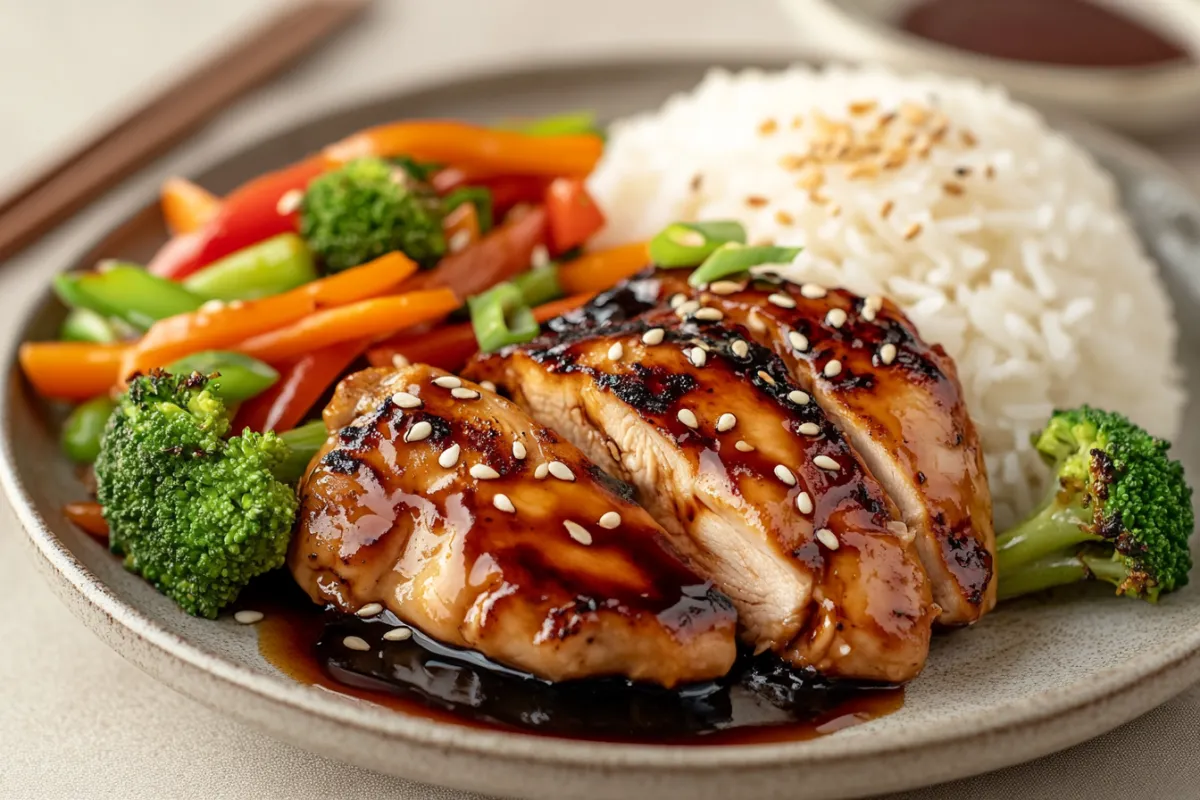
(761, 700)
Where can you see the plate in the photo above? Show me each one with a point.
(1033, 677)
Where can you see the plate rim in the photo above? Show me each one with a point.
(1170, 669)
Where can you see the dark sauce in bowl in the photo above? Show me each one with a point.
(761, 700)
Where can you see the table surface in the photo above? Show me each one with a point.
(78, 721)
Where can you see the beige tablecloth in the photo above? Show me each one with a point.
(75, 719)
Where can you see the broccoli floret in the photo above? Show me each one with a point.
(1119, 511)
(367, 208)
(195, 514)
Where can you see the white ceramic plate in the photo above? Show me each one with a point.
(1032, 678)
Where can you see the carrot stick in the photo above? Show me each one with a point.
(556, 308)
(186, 206)
(216, 328)
(72, 370)
(603, 269)
(473, 148)
(89, 517)
(375, 317)
(362, 282)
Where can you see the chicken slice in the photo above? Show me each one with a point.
(451, 507)
(897, 400)
(753, 484)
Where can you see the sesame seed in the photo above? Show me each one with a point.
(826, 537)
(798, 340)
(725, 422)
(610, 520)
(653, 336)
(578, 532)
(812, 291)
(833, 369)
(247, 617)
(744, 446)
(488, 385)
(809, 429)
(804, 503)
(755, 322)
(370, 610)
(968, 138)
(289, 201)
(784, 474)
(447, 382)
(766, 377)
(781, 300)
(898, 528)
(502, 502)
(709, 314)
(784, 218)
(677, 299)
(541, 471)
(757, 201)
(418, 432)
(449, 457)
(844, 650)
(463, 393)
(740, 348)
(954, 189)
(686, 308)
(561, 471)
(873, 301)
(482, 472)
(406, 400)
(540, 256)
(704, 346)
(836, 318)
(868, 313)
(356, 643)
(860, 107)
(398, 635)
(912, 231)
(697, 356)
(616, 351)
(518, 451)
(688, 417)
(767, 127)
(798, 397)
(887, 353)
(886, 210)
(725, 287)
(825, 462)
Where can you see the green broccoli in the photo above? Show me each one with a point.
(1119, 511)
(194, 513)
(367, 208)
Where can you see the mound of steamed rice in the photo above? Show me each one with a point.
(1001, 238)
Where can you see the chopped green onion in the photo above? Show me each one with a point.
(500, 317)
(732, 259)
(686, 244)
(82, 325)
(566, 124)
(303, 443)
(126, 292)
(538, 285)
(85, 427)
(478, 196)
(240, 377)
(417, 170)
(272, 266)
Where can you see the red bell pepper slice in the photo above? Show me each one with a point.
(573, 215)
(247, 216)
(507, 190)
(301, 383)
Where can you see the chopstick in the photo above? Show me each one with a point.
(131, 141)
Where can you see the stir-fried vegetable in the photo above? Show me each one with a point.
(595, 272)
(566, 124)
(302, 382)
(72, 370)
(479, 197)
(126, 292)
(572, 214)
(734, 259)
(687, 244)
(82, 431)
(500, 317)
(82, 325)
(187, 207)
(539, 285)
(272, 266)
(89, 517)
(232, 376)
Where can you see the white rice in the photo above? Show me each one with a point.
(1032, 278)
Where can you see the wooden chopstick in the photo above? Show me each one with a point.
(178, 109)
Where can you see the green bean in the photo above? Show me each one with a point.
(272, 266)
(84, 429)
(82, 325)
(126, 292)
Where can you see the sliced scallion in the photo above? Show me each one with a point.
(500, 317)
(732, 259)
(539, 285)
(686, 244)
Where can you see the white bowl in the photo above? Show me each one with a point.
(1140, 100)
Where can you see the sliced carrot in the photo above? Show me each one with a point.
(603, 269)
(215, 328)
(72, 370)
(473, 148)
(187, 206)
(88, 517)
(449, 346)
(362, 282)
(376, 317)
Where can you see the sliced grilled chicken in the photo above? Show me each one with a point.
(451, 507)
(754, 485)
(897, 400)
